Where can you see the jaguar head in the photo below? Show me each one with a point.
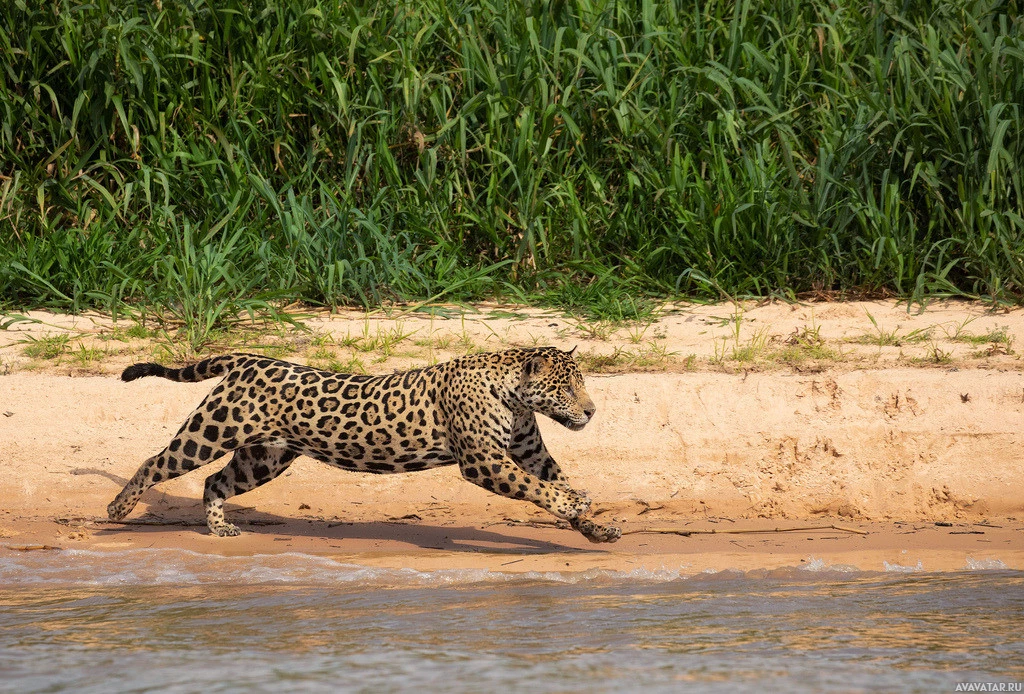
(552, 384)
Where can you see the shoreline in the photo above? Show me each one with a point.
(499, 547)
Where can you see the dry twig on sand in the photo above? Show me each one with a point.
(741, 531)
(681, 531)
(30, 548)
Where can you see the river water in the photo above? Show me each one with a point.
(176, 621)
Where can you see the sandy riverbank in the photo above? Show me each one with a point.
(890, 444)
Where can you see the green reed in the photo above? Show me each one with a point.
(212, 158)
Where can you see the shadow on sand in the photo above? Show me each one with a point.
(168, 513)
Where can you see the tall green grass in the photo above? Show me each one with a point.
(215, 157)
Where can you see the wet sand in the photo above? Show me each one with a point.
(465, 543)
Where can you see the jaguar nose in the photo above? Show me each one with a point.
(589, 411)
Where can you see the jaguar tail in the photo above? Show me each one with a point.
(208, 368)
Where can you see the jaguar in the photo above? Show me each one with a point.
(477, 411)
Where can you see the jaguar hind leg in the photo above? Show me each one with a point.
(249, 468)
(187, 451)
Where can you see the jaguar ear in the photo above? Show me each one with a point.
(535, 366)
(573, 350)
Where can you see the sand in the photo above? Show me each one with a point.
(915, 442)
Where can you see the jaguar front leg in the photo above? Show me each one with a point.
(594, 532)
(496, 472)
(528, 451)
